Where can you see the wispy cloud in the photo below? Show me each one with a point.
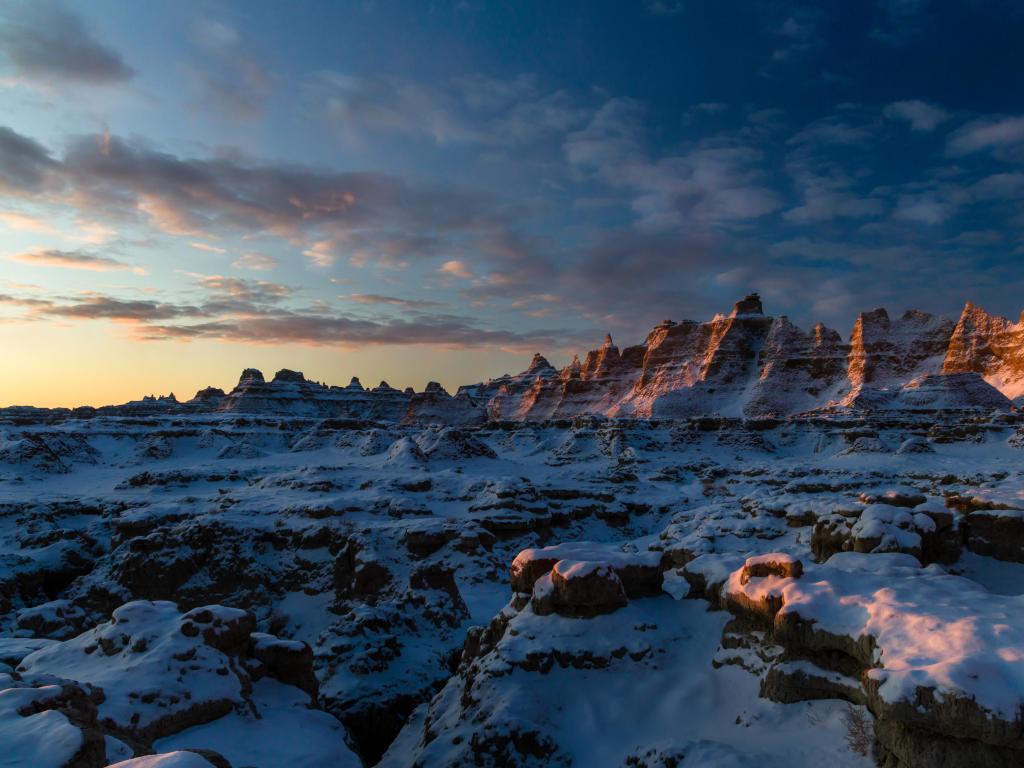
(45, 44)
(73, 260)
(208, 248)
(665, 7)
(24, 222)
(1002, 135)
(375, 298)
(467, 110)
(456, 268)
(921, 115)
(25, 164)
(231, 79)
(260, 262)
(716, 181)
(242, 315)
(799, 33)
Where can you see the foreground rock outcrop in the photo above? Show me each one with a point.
(936, 655)
(153, 679)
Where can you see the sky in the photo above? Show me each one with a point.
(416, 191)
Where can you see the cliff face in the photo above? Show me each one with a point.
(749, 364)
(990, 346)
(290, 393)
(885, 354)
(741, 364)
(798, 370)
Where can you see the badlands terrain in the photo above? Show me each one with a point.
(739, 543)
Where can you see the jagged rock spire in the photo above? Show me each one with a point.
(539, 363)
(286, 374)
(250, 375)
(748, 305)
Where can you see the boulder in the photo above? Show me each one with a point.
(998, 533)
(586, 588)
(639, 572)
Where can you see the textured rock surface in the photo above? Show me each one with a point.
(745, 363)
(153, 675)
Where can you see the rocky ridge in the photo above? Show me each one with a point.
(744, 364)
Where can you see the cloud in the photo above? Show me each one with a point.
(322, 253)
(318, 329)
(826, 199)
(231, 294)
(208, 248)
(374, 298)
(24, 222)
(717, 181)
(458, 269)
(800, 34)
(356, 106)
(829, 185)
(195, 196)
(921, 115)
(467, 110)
(923, 209)
(1000, 186)
(243, 315)
(834, 130)
(45, 44)
(25, 164)
(902, 21)
(259, 262)
(109, 308)
(665, 7)
(72, 260)
(373, 220)
(231, 79)
(629, 280)
(1004, 136)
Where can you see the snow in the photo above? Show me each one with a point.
(45, 739)
(600, 715)
(319, 528)
(285, 733)
(931, 630)
(579, 569)
(167, 760)
(146, 667)
(674, 584)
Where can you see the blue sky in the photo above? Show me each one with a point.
(434, 190)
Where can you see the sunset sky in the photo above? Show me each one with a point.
(435, 190)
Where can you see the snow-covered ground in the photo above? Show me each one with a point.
(362, 573)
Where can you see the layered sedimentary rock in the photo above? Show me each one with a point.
(290, 393)
(989, 345)
(744, 364)
(749, 364)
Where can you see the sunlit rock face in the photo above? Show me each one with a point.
(741, 365)
(991, 346)
(748, 364)
(886, 354)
